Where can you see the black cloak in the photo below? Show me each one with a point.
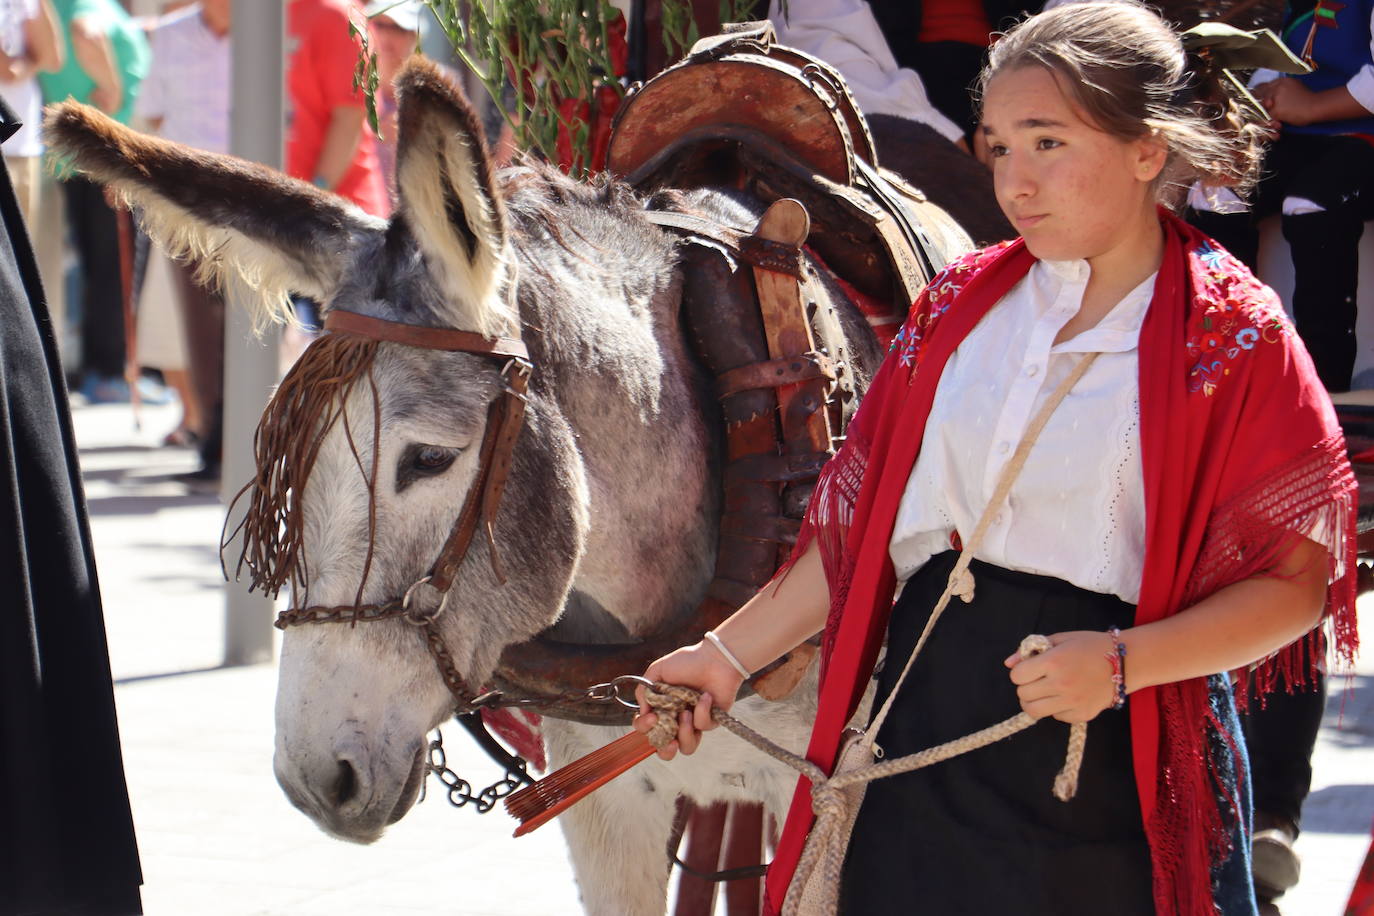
(66, 834)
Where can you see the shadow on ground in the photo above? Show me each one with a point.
(1349, 717)
(146, 505)
(164, 675)
(1339, 809)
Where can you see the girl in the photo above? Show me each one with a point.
(1191, 491)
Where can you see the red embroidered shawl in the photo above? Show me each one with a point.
(1241, 454)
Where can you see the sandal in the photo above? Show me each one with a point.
(181, 437)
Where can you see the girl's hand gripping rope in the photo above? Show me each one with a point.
(702, 667)
(1071, 682)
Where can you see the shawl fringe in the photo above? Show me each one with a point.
(829, 515)
(1314, 496)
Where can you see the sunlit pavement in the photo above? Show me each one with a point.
(218, 837)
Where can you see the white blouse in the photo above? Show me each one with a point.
(1077, 509)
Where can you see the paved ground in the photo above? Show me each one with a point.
(217, 836)
(219, 839)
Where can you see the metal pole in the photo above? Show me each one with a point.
(256, 122)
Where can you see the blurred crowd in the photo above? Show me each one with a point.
(133, 324)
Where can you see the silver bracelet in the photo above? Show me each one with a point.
(729, 656)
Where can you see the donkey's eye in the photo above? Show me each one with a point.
(419, 462)
(432, 458)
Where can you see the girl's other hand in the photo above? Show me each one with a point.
(700, 667)
(1072, 681)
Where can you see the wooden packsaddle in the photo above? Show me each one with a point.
(744, 113)
(780, 126)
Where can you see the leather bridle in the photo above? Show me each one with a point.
(505, 418)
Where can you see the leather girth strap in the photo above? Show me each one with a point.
(778, 428)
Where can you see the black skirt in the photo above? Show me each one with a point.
(982, 833)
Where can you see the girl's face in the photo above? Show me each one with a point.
(1071, 190)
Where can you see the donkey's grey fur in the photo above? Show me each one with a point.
(609, 522)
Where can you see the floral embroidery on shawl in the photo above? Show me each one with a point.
(1237, 313)
(935, 300)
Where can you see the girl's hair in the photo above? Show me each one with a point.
(1126, 70)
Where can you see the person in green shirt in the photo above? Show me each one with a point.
(107, 57)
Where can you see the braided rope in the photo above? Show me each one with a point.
(835, 799)
(1066, 782)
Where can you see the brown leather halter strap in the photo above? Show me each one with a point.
(504, 421)
(505, 418)
(414, 335)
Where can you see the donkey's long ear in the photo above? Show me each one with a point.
(450, 201)
(280, 235)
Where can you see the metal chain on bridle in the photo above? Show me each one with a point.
(460, 792)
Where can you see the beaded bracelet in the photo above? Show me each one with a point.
(1117, 659)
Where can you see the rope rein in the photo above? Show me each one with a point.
(835, 798)
(668, 701)
(824, 850)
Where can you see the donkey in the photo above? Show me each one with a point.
(609, 522)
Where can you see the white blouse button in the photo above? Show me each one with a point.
(994, 385)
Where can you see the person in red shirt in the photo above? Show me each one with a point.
(328, 141)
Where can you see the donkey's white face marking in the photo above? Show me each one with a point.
(355, 702)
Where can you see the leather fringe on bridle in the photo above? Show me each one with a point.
(311, 399)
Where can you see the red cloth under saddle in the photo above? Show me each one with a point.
(522, 730)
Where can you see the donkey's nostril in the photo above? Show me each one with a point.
(346, 785)
(347, 789)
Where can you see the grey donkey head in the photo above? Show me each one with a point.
(393, 455)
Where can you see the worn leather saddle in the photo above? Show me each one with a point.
(743, 111)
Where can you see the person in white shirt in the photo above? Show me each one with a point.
(912, 136)
(844, 34)
(185, 98)
(28, 43)
(1186, 510)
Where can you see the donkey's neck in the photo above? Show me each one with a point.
(611, 354)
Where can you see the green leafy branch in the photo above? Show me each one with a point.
(365, 74)
(551, 51)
